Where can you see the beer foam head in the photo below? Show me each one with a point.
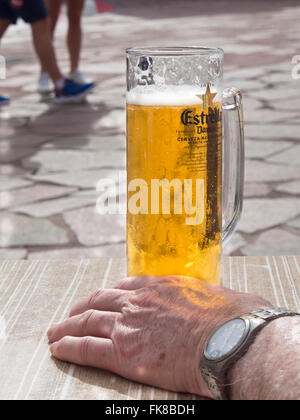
(169, 96)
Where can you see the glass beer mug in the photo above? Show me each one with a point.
(185, 162)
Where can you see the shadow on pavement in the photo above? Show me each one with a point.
(22, 137)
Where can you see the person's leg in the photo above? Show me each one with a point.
(66, 91)
(53, 8)
(74, 38)
(4, 24)
(7, 16)
(44, 48)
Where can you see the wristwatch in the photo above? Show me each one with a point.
(230, 343)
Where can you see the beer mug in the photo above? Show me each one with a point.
(185, 161)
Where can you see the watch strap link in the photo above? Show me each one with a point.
(215, 374)
(270, 314)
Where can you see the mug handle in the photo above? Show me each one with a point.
(233, 161)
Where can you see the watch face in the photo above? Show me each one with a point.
(226, 340)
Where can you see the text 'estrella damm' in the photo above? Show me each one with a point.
(188, 117)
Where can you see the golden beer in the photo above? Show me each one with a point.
(174, 164)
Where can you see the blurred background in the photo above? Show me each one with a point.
(51, 158)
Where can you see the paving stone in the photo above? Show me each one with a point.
(287, 52)
(17, 230)
(290, 187)
(257, 171)
(290, 104)
(283, 77)
(49, 208)
(245, 73)
(115, 119)
(257, 189)
(21, 109)
(262, 214)
(6, 128)
(90, 142)
(235, 244)
(106, 251)
(10, 171)
(17, 82)
(75, 120)
(288, 157)
(273, 131)
(14, 154)
(11, 182)
(81, 179)
(274, 242)
(277, 78)
(245, 85)
(111, 100)
(262, 149)
(251, 104)
(257, 35)
(58, 160)
(13, 254)
(94, 229)
(31, 194)
(270, 115)
(295, 223)
(23, 140)
(239, 48)
(113, 82)
(107, 68)
(278, 95)
(86, 138)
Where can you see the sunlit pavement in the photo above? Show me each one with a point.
(52, 157)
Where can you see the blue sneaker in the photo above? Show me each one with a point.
(4, 100)
(72, 92)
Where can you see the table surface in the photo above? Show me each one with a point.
(36, 294)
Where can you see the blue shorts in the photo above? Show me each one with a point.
(31, 11)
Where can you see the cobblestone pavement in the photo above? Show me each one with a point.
(51, 157)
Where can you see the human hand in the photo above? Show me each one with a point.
(150, 329)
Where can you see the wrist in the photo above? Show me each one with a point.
(258, 375)
(244, 304)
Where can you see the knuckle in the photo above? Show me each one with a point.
(94, 296)
(120, 301)
(146, 296)
(84, 320)
(84, 349)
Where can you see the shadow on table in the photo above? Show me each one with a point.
(108, 383)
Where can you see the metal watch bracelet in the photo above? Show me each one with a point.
(215, 373)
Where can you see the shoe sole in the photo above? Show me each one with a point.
(72, 99)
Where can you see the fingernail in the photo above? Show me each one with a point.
(51, 348)
(50, 332)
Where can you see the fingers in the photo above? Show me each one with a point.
(86, 351)
(135, 283)
(91, 323)
(110, 300)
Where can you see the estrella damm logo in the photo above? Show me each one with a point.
(189, 117)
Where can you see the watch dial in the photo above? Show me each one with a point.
(226, 339)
